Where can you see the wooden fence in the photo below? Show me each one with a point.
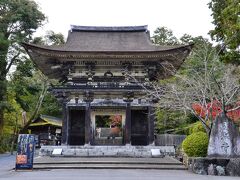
(169, 139)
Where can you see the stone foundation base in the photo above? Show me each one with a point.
(215, 166)
(108, 151)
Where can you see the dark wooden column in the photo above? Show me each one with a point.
(127, 135)
(88, 98)
(151, 118)
(128, 98)
(64, 124)
(88, 133)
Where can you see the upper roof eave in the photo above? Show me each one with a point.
(109, 28)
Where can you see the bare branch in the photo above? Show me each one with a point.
(12, 61)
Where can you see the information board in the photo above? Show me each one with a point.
(25, 151)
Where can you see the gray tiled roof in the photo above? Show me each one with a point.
(109, 39)
(109, 28)
(106, 44)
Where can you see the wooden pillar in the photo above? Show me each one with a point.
(151, 117)
(65, 124)
(88, 98)
(88, 131)
(127, 135)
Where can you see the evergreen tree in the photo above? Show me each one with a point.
(18, 20)
(226, 18)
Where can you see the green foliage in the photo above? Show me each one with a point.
(18, 20)
(103, 121)
(196, 144)
(195, 62)
(191, 118)
(5, 143)
(50, 106)
(51, 38)
(164, 36)
(197, 127)
(27, 87)
(174, 122)
(12, 124)
(26, 84)
(226, 18)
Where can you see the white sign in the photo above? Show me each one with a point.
(57, 152)
(155, 152)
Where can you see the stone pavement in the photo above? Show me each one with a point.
(7, 162)
(105, 174)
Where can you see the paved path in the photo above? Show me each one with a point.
(7, 163)
(93, 174)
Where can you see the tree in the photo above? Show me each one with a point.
(31, 85)
(172, 121)
(50, 38)
(164, 36)
(18, 20)
(203, 80)
(226, 18)
(206, 82)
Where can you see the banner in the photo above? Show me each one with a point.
(25, 151)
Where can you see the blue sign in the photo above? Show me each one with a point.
(25, 151)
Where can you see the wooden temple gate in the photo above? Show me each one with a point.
(107, 68)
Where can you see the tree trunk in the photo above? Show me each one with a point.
(3, 83)
(3, 91)
(1, 121)
(15, 135)
(37, 108)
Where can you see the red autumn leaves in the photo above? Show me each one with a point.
(212, 109)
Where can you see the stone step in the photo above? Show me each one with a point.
(105, 162)
(108, 166)
(59, 160)
(43, 162)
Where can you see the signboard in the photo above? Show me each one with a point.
(25, 151)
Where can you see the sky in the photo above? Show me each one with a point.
(181, 16)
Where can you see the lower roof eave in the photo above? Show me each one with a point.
(68, 54)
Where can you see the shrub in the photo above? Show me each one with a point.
(5, 143)
(196, 144)
(197, 127)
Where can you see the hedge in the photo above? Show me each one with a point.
(196, 144)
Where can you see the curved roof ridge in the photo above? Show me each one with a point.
(109, 28)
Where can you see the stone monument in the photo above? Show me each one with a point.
(224, 139)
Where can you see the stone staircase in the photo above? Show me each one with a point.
(108, 151)
(107, 157)
(166, 163)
